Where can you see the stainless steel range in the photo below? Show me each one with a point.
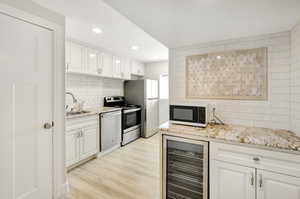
(131, 118)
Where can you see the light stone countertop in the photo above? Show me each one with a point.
(94, 111)
(283, 140)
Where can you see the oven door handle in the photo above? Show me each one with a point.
(131, 110)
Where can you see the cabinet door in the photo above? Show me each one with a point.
(92, 61)
(141, 69)
(107, 65)
(137, 68)
(277, 186)
(126, 68)
(230, 181)
(89, 142)
(77, 58)
(72, 147)
(117, 67)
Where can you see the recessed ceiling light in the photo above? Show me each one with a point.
(219, 57)
(118, 61)
(92, 55)
(134, 47)
(97, 30)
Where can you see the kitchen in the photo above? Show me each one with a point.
(132, 99)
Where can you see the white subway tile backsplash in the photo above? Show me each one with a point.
(92, 90)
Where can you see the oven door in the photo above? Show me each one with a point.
(190, 114)
(131, 118)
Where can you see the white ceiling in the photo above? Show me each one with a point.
(118, 35)
(184, 22)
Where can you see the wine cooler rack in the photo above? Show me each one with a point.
(186, 169)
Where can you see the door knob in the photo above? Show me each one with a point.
(48, 125)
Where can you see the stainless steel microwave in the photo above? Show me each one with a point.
(189, 115)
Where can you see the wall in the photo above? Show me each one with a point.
(295, 79)
(273, 113)
(37, 10)
(153, 71)
(92, 89)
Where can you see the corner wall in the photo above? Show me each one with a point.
(295, 79)
(273, 113)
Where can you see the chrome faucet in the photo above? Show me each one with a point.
(73, 97)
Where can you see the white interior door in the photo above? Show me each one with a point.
(277, 186)
(26, 54)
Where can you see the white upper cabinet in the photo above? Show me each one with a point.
(84, 60)
(107, 65)
(92, 60)
(137, 68)
(126, 68)
(77, 59)
(117, 71)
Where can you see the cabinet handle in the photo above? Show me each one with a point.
(252, 179)
(260, 181)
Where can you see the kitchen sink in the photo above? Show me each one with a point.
(77, 113)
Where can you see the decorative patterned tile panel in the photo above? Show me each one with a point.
(238, 74)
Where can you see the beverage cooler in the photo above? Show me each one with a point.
(185, 168)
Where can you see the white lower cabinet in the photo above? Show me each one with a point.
(82, 139)
(238, 172)
(272, 185)
(72, 148)
(230, 181)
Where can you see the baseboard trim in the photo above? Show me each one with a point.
(101, 154)
(64, 189)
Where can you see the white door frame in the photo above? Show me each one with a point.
(58, 165)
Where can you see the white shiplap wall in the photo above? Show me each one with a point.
(273, 113)
(295, 79)
(92, 89)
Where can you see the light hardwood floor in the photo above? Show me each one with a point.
(131, 172)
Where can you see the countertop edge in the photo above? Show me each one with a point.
(218, 140)
(94, 112)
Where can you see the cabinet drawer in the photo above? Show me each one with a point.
(82, 122)
(279, 162)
